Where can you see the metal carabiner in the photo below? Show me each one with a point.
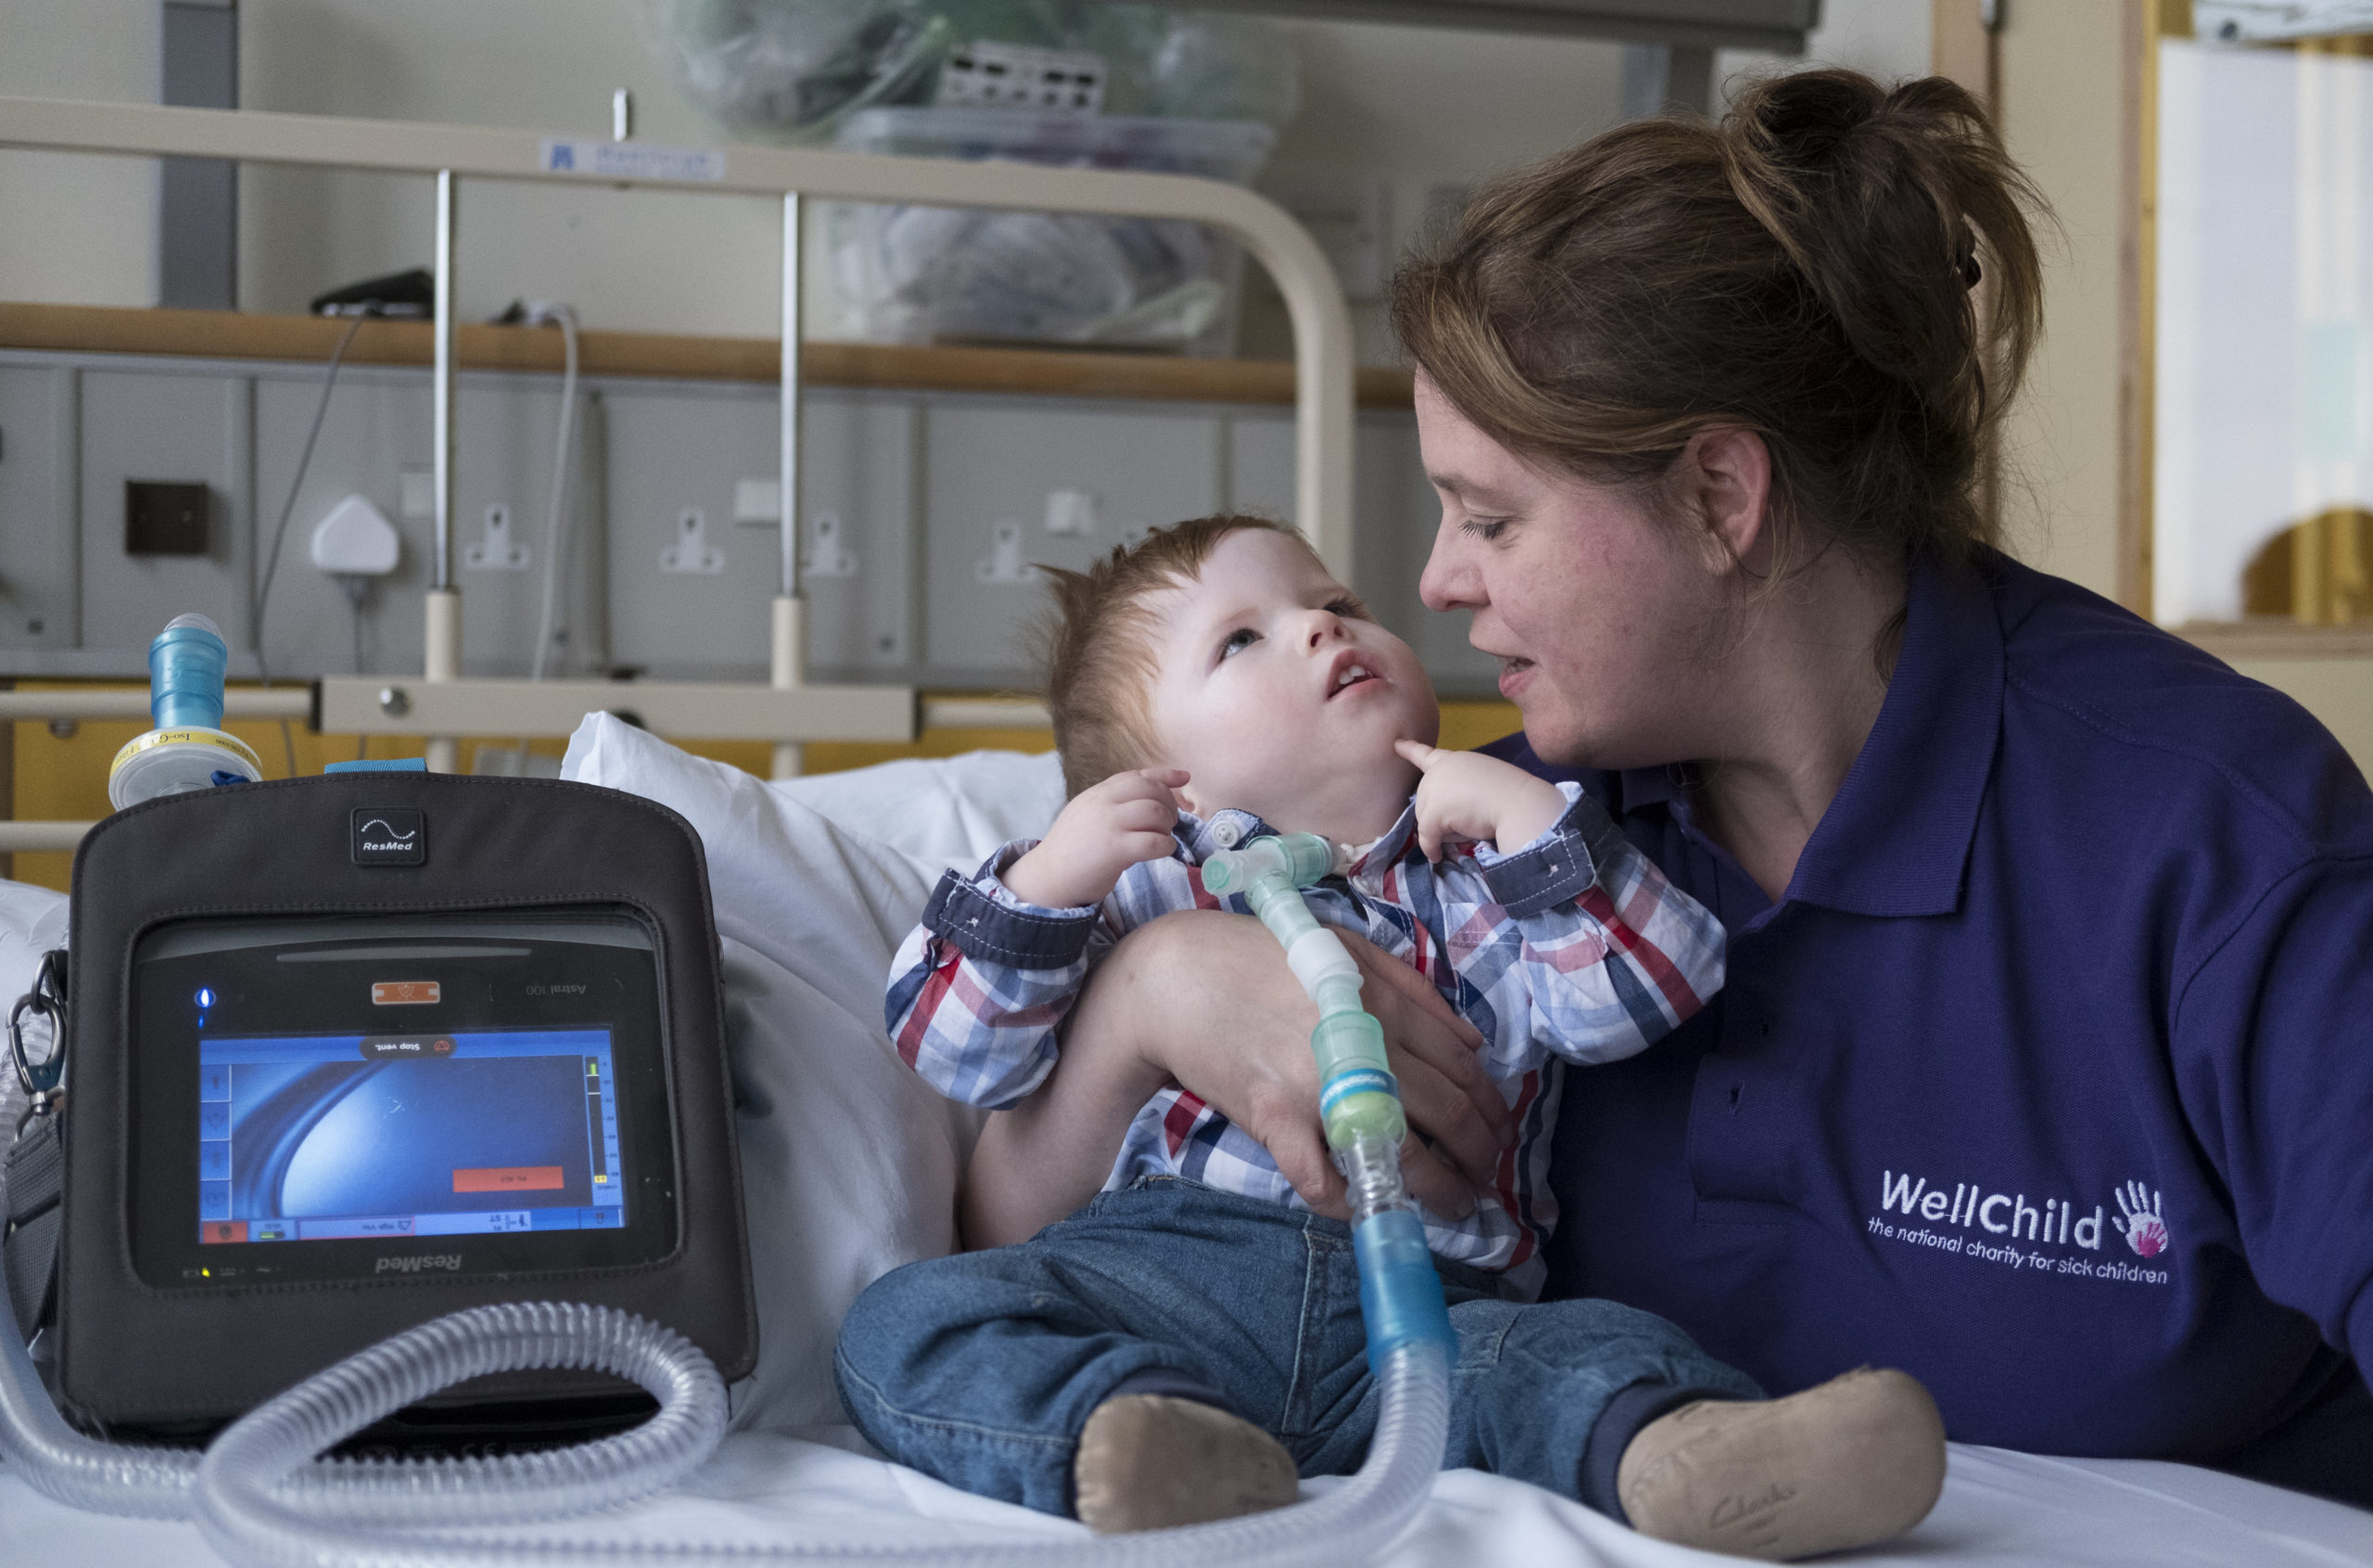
(47, 998)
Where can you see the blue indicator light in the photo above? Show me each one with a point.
(206, 997)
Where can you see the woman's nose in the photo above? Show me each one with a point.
(1450, 580)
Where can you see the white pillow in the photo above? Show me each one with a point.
(949, 811)
(849, 1160)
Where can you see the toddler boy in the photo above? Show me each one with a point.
(1184, 1346)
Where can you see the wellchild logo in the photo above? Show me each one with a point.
(2008, 1229)
(2139, 1220)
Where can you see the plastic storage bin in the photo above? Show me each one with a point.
(921, 274)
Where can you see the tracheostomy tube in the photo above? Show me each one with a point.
(258, 1500)
(1359, 1103)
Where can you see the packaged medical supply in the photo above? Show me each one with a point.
(791, 71)
(917, 274)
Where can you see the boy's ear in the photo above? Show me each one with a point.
(1183, 797)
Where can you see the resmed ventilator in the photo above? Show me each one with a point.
(258, 1501)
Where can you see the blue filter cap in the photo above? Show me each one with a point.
(185, 665)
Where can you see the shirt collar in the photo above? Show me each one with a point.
(1897, 839)
(1223, 830)
(1229, 827)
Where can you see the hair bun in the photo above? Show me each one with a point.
(1883, 199)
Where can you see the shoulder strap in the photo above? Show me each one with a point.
(36, 1159)
(29, 1233)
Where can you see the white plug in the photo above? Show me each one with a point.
(356, 539)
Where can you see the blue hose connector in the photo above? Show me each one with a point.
(186, 668)
(1401, 1297)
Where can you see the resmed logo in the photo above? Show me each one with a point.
(449, 1262)
(390, 836)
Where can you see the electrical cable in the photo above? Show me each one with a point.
(539, 312)
(565, 317)
(261, 595)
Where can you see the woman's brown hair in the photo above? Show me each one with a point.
(1809, 268)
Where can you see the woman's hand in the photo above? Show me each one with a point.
(1205, 1000)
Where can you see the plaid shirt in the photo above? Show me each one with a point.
(1573, 949)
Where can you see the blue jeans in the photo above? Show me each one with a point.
(982, 1369)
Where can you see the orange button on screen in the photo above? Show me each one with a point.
(218, 1231)
(398, 993)
(509, 1178)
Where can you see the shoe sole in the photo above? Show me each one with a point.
(1857, 1460)
(1148, 1461)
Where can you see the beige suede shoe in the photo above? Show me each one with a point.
(1148, 1461)
(1857, 1460)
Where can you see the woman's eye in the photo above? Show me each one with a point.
(1239, 640)
(1485, 528)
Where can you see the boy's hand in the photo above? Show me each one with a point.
(1468, 795)
(1104, 830)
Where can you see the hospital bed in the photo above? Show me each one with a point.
(849, 1161)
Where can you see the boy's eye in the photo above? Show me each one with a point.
(1239, 640)
(1484, 528)
(1349, 607)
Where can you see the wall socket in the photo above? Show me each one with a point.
(498, 551)
(691, 554)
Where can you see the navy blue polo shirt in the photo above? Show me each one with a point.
(2050, 1078)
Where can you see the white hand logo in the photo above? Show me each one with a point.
(2137, 1210)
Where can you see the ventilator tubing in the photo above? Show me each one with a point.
(262, 1498)
(1401, 1296)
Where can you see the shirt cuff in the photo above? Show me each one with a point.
(988, 922)
(1557, 867)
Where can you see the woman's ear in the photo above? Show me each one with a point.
(1724, 478)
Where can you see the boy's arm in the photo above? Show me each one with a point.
(1611, 955)
(978, 989)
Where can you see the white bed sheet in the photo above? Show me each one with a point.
(812, 878)
(1998, 1509)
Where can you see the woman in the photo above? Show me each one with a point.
(2045, 1066)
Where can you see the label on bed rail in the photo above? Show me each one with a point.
(630, 160)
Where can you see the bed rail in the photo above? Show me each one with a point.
(787, 710)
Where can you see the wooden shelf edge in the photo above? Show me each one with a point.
(2231, 640)
(230, 335)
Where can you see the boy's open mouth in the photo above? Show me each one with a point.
(1350, 670)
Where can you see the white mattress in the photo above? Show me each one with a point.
(815, 882)
(1999, 1508)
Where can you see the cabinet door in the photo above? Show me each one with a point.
(38, 485)
(192, 429)
(993, 466)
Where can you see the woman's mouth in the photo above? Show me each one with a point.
(1516, 672)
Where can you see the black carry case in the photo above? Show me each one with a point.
(384, 878)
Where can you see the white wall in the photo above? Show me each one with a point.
(1423, 109)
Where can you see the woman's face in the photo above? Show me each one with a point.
(1600, 614)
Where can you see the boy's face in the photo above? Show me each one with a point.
(1280, 697)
